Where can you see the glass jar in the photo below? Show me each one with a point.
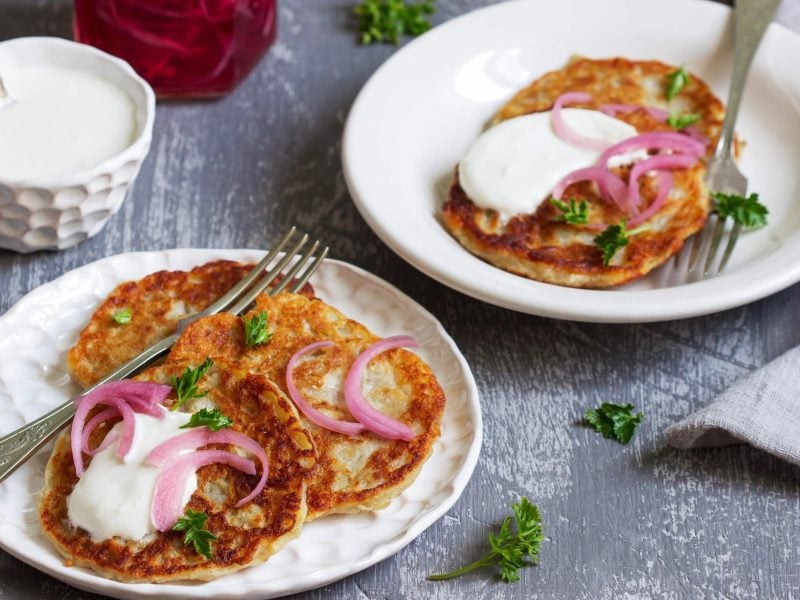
(184, 48)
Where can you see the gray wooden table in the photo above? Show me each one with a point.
(640, 521)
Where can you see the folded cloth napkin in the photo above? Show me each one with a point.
(762, 409)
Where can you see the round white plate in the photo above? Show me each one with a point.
(419, 113)
(36, 333)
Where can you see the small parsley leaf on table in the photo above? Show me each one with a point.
(747, 212)
(509, 549)
(676, 81)
(576, 213)
(256, 329)
(614, 421)
(186, 385)
(213, 419)
(388, 20)
(194, 523)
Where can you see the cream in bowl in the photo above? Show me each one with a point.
(72, 139)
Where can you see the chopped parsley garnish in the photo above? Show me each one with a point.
(388, 20)
(509, 548)
(614, 421)
(256, 329)
(747, 212)
(213, 419)
(676, 82)
(574, 212)
(194, 523)
(122, 316)
(186, 385)
(680, 121)
(615, 237)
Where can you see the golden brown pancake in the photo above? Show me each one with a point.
(246, 535)
(541, 247)
(362, 472)
(157, 302)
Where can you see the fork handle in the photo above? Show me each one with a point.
(17, 446)
(750, 20)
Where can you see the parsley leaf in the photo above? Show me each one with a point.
(256, 329)
(676, 82)
(213, 419)
(748, 212)
(614, 421)
(680, 121)
(122, 316)
(508, 548)
(574, 212)
(186, 385)
(193, 523)
(387, 20)
(612, 239)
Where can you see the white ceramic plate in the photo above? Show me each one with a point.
(420, 112)
(36, 333)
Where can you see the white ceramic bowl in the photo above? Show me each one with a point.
(58, 212)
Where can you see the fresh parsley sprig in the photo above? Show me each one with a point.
(682, 121)
(122, 316)
(194, 524)
(576, 213)
(388, 20)
(676, 81)
(186, 385)
(213, 419)
(256, 329)
(614, 421)
(509, 549)
(747, 212)
(615, 237)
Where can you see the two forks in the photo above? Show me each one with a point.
(750, 21)
(17, 446)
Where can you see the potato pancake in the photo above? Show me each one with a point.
(540, 246)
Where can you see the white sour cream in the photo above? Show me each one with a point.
(514, 165)
(61, 121)
(113, 498)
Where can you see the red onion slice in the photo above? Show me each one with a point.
(564, 131)
(167, 451)
(373, 419)
(167, 505)
(146, 392)
(611, 187)
(665, 181)
(94, 422)
(659, 162)
(311, 413)
(659, 140)
(81, 413)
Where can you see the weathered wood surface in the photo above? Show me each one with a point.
(642, 521)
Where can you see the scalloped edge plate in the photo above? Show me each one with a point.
(36, 333)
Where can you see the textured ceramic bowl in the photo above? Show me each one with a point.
(58, 212)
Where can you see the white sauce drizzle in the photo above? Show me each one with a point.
(114, 498)
(61, 121)
(513, 166)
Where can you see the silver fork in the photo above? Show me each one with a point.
(750, 21)
(17, 446)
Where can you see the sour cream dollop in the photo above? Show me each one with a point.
(61, 121)
(512, 167)
(114, 497)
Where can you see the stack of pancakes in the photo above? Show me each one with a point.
(312, 471)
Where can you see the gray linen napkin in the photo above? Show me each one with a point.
(762, 409)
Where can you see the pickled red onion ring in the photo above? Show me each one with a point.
(658, 162)
(120, 395)
(167, 505)
(373, 419)
(311, 413)
(565, 131)
(611, 187)
(660, 140)
(94, 422)
(665, 181)
(167, 451)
